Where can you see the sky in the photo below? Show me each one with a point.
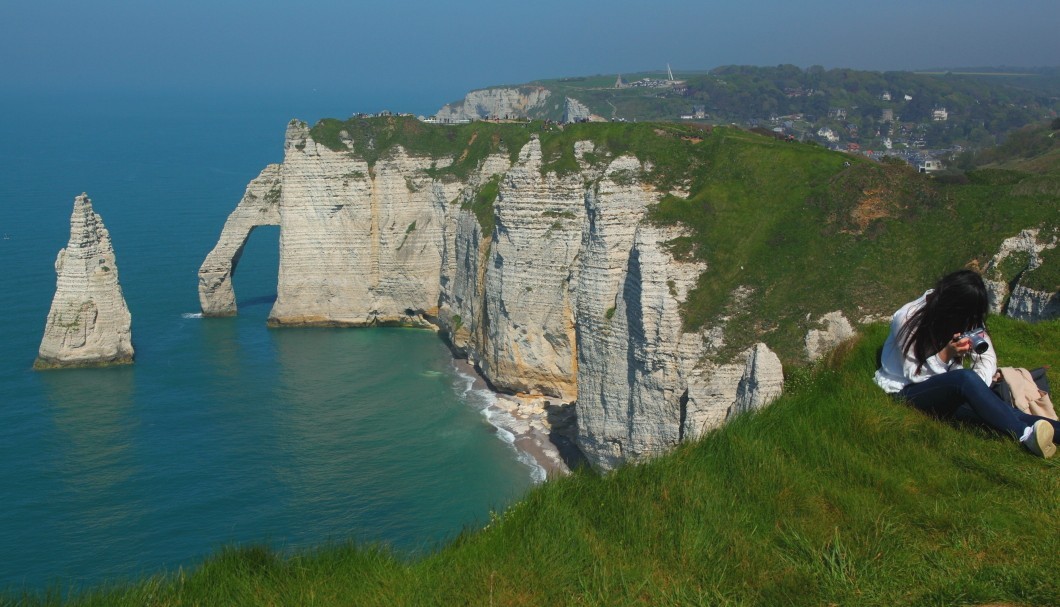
(433, 52)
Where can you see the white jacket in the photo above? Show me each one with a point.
(898, 371)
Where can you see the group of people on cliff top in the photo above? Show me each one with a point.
(923, 360)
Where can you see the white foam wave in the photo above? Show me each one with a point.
(482, 398)
(191, 315)
(497, 420)
(502, 421)
(464, 382)
(538, 474)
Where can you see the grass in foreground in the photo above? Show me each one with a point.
(833, 495)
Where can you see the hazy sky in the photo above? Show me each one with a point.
(439, 50)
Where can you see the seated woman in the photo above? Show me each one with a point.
(922, 362)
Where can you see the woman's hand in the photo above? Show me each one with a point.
(956, 348)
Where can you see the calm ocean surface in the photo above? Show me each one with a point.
(223, 432)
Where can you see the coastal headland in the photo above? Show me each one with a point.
(656, 275)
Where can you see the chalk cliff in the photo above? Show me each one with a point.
(563, 289)
(89, 323)
(1033, 305)
(576, 111)
(644, 384)
(521, 102)
(1010, 276)
(359, 244)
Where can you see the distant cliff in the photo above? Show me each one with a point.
(638, 270)
(516, 103)
(851, 106)
(89, 323)
(502, 103)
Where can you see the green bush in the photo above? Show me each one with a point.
(481, 204)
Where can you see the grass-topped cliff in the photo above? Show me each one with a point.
(835, 494)
(788, 231)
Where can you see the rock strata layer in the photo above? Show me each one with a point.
(567, 294)
(89, 323)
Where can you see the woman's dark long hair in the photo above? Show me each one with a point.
(959, 303)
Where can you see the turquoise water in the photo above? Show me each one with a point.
(223, 432)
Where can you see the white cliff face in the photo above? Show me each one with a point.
(501, 103)
(1024, 248)
(762, 381)
(89, 323)
(463, 283)
(1032, 305)
(572, 294)
(465, 250)
(529, 328)
(359, 245)
(716, 392)
(576, 111)
(605, 377)
(644, 384)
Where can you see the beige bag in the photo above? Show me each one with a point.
(1024, 394)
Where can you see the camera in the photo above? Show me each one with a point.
(978, 337)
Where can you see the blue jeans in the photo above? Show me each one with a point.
(942, 395)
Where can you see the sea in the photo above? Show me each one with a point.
(223, 432)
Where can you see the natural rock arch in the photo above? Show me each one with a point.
(260, 206)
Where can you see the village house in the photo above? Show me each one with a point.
(828, 134)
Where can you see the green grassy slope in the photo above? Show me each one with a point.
(468, 145)
(810, 235)
(1032, 149)
(833, 495)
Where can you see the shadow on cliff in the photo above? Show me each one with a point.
(257, 301)
(563, 421)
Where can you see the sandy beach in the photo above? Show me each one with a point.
(536, 423)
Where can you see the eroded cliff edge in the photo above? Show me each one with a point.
(89, 323)
(551, 281)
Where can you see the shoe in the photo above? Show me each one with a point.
(1040, 440)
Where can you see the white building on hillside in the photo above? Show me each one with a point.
(828, 134)
(930, 166)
